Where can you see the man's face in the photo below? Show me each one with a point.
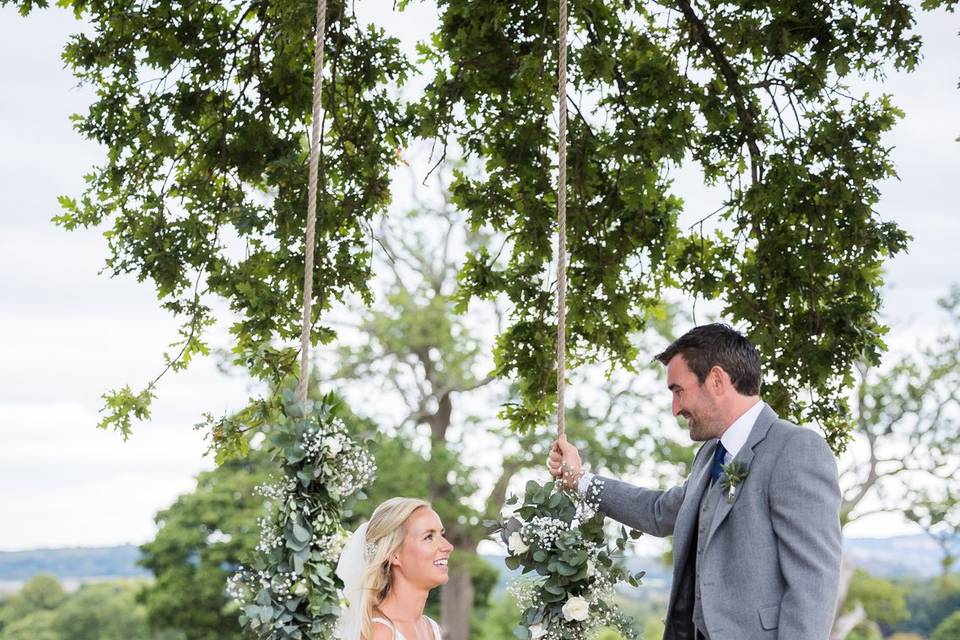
(692, 400)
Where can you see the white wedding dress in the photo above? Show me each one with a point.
(399, 636)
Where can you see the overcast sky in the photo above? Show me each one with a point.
(67, 334)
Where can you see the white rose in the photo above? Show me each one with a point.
(576, 608)
(537, 631)
(516, 545)
(332, 445)
(591, 568)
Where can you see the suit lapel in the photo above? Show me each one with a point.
(745, 458)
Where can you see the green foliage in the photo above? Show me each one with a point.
(499, 620)
(559, 536)
(432, 361)
(608, 633)
(866, 630)
(484, 577)
(123, 405)
(97, 611)
(930, 602)
(653, 628)
(930, 395)
(949, 629)
(203, 109)
(191, 565)
(41, 593)
(883, 601)
(905, 415)
(939, 516)
(797, 248)
(949, 5)
(105, 611)
(202, 539)
(291, 590)
(39, 625)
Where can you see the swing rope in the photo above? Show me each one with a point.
(562, 226)
(310, 246)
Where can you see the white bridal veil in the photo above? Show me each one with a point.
(350, 569)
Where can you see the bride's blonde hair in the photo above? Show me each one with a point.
(385, 533)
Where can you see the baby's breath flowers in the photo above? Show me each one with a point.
(569, 571)
(291, 590)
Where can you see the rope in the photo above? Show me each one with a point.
(562, 229)
(310, 247)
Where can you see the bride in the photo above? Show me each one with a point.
(388, 567)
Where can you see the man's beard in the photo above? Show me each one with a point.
(696, 431)
(700, 430)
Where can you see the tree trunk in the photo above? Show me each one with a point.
(843, 624)
(456, 597)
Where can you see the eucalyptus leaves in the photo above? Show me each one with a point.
(559, 536)
(733, 476)
(291, 590)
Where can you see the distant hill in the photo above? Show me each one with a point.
(78, 562)
(899, 556)
(914, 555)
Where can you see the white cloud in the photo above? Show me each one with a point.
(66, 483)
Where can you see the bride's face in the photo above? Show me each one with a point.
(422, 559)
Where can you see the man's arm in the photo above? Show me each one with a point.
(805, 511)
(648, 510)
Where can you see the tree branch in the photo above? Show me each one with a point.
(700, 35)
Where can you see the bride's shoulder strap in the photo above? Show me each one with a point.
(436, 629)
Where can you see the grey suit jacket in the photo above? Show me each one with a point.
(771, 563)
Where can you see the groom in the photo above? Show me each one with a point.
(760, 559)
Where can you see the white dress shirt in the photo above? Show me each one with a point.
(733, 440)
(736, 434)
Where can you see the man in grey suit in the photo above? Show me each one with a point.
(757, 543)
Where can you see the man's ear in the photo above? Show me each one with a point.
(718, 379)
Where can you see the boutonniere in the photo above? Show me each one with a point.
(733, 476)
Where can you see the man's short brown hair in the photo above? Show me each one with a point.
(718, 345)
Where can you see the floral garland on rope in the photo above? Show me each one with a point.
(291, 590)
(559, 535)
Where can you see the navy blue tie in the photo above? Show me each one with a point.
(718, 460)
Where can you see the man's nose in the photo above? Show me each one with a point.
(676, 407)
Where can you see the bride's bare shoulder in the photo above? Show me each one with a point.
(380, 632)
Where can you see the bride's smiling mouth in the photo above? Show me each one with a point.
(440, 562)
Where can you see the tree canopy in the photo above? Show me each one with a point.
(203, 109)
(753, 95)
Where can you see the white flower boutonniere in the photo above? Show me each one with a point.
(733, 476)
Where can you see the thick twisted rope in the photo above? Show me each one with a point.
(562, 228)
(310, 246)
